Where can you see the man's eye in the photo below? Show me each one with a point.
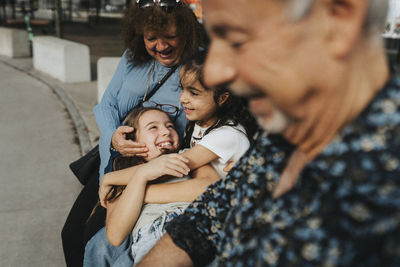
(237, 45)
(171, 37)
(194, 93)
(151, 39)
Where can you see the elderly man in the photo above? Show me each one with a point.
(323, 188)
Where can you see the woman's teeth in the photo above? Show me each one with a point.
(165, 54)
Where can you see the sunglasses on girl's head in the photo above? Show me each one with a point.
(162, 3)
(167, 108)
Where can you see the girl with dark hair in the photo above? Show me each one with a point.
(219, 121)
(159, 35)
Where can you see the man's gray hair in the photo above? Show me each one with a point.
(373, 24)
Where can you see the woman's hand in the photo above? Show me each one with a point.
(169, 164)
(127, 147)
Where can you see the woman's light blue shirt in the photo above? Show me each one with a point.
(125, 91)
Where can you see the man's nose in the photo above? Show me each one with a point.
(161, 44)
(219, 66)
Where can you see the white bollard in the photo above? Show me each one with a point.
(14, 43)
(106, 67)
(65, 60)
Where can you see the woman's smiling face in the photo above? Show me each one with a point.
(163, 47)
(158, 133)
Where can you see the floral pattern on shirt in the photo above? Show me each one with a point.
(344, 209)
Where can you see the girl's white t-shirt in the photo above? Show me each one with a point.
(228, 142)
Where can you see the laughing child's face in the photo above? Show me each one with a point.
(199, 103)
(158, 133)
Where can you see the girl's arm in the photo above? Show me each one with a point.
(199, 156)
(171, 164)
(227, 143)
(188, 190)
(164, 193)
(123, 212)
(120, 177)
(185, 191)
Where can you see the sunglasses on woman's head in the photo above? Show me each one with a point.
(165, 4)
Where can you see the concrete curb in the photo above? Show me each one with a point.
(79, 124)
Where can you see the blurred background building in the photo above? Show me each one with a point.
(77, 10)
(56, 17)
(392, 29)
(391, 32)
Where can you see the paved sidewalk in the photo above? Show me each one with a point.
(45, 124)
(78, 98)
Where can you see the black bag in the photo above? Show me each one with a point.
(87, 166)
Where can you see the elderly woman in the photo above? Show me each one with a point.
(159, 36)
(323, 188)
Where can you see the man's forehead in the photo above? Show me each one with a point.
(236, 13)
(220, 16)
(225, 10)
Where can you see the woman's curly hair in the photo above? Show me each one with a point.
(190, 32)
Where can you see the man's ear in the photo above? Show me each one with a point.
(222, 98)
(346, 19)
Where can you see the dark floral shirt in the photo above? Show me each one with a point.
(343, 211)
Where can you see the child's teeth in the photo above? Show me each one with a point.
(165, 144)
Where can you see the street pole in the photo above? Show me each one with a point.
(58, 19)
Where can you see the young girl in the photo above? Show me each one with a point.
(217, 134)
(219, 125)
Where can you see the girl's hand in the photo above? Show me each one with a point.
(169, 164)
(127, 147)
(104, 189)
(229, 165)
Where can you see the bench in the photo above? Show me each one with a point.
(14, 43)
(106, 67)
(65, 60)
